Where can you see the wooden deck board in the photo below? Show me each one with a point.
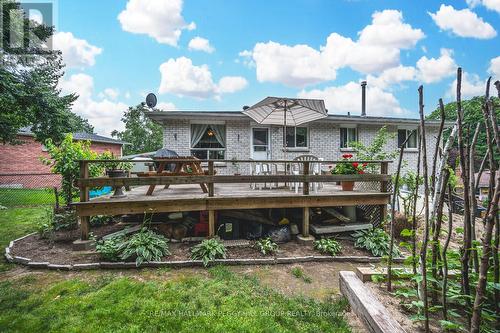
(186, 197)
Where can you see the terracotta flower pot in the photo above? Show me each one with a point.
(347, 186)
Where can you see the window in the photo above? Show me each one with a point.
(348, 135)
(296, 137)
(412, 141)
(208, 142)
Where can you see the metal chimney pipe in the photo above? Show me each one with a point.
(363, 99)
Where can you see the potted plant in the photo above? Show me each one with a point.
(116, 169)
(346, 167)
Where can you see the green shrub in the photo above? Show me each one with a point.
(375, 240)
(110, 248)
(99, 220)
(146, 246)
(266, 246)
(208, 250)
(299, 274)
(51, 222)
(328, 245)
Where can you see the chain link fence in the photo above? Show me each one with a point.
(33, 189)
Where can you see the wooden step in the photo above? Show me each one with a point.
(331, 229)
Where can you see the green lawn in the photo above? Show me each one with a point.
(14, 223)
(12, 197)
(221, 301)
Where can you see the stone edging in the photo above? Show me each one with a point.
(183, 263)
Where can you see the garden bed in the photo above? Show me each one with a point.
(42, 253)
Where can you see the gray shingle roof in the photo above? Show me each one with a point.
(80, 136)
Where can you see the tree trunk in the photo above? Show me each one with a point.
(445, 248)
(473, 200)
(423, 252)
(438, 144)
(414, 213)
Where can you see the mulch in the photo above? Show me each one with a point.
(59, 250)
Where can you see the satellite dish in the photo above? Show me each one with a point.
(151, 100)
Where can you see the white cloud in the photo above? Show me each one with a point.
(200, 44)
(161, 20)
(347, 98)
(76, 52)
(105, 115)
(378, 48)
(230, 84)
(495, 67)
(472, 85)
(434, 70)
(179, 76)
(166, 106)
(110, 93)
(463, 23)
(490, 4)
(392, 75)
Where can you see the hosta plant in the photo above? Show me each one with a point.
(375, 240)
(328, 245)
(266, 246)
(110, 248)
(146, 246)
(208, 250)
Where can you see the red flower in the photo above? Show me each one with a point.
(364, 165)
(346, 156)
(355, 164)
(361, 172)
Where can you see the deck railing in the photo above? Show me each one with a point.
(210, 178)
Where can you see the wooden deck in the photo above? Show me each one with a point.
(229, 192)
(189, 197)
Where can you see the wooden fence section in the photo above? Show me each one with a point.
(211, 202)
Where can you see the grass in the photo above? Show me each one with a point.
(13, 197)
(218, 302)
(299, 274)
(14, 223)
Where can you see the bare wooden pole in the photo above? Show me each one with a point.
(473, 200)
(423, 251)
(465, 181)
(84, 196)
(414, 212)
(444, 251)
(491, 216)
(438, 143)
(393, 213)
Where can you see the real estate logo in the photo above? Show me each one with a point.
(20, 26)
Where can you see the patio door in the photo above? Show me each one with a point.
(260, 143)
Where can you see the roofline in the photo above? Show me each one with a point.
(110, 141)
(160, 116)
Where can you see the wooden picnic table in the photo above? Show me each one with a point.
(187, 166)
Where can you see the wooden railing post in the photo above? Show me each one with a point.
(305, 185)
(384, 186)
(84, 196)
(211, 173)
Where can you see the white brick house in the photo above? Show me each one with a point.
(242, 138)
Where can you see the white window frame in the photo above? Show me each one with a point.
(207, 122)
(408, 131)
(348, 127)
(306, 147)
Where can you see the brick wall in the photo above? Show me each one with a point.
(20, 165)
(324, 141)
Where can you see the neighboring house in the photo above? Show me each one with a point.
(484, 184)
(20, 164)
(233, 135)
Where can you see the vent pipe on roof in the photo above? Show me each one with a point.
(363, 99)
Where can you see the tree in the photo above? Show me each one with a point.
(142, 133)
(28, 87)
(473, 115)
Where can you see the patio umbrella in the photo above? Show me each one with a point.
(288, 112)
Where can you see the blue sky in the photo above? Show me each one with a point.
(221, 55)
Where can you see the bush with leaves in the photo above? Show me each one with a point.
(99, 220)
(328, 245)
(145, 246)
(376, 150)
(375, 240)
(111, 248)
(64, 161)
(114, 163)
(266, 246)
(51, 222)
(208, 250)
